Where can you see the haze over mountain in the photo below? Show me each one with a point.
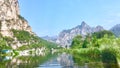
(65, 37)
(51, 39)
(116, 30)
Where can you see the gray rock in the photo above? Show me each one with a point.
(65, 37)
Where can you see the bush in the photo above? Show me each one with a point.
(15, 52)
(109, 56)
(22, 35)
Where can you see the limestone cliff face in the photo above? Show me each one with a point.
(9, 9)
(10, 18)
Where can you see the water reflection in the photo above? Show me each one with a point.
(109, 59)
(65, 60)
(62, 61)
(49, 60)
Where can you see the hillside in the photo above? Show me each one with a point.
(15, 31)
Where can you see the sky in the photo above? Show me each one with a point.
(50, 17)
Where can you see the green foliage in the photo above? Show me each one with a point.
(95, 40)
(36, 60)
(3, 43)
(108, 56)
(41, 43)
(101, 34)
(8, 39)
(77, 42)
(15, 52)
(22, 18)
(22, 35)
(100, 44)
(25, 37)
(87, 41)
(84, 45)
(35, 41)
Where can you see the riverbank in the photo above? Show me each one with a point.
(106, 55)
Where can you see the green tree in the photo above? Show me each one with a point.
(77, 41)
(85, 44)
(87, 41)
(101, 34)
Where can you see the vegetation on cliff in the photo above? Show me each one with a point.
(31, 41)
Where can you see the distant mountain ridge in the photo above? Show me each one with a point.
(116, 30)
(65, 37)
(51, 39)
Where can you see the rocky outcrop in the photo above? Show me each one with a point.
(65, 37)
(10, 18)
(116, 30)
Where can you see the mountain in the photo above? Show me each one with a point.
(10, 18)
(12, 24)
(65, 37)
(15, 32)
(116, 30)
(51, 39)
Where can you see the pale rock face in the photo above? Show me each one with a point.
(65, 37)
(9, 9)
(10, 19)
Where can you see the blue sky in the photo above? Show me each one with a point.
(49, 17)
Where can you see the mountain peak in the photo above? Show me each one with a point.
(66, 36)
(83, 23)
(99, 27)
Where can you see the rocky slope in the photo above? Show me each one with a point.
(10, 19)
(116, 30)
(65, 37)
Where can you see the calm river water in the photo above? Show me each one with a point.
(59, 60)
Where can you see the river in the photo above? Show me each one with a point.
(58, 60)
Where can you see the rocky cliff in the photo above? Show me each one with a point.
(116, 30)
(65, 37)
(10, 19)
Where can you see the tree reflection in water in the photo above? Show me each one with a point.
(63, 60)
(109, 59)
